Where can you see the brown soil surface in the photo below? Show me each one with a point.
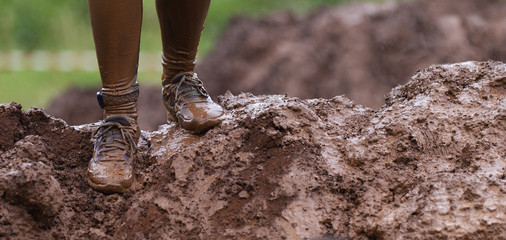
(361, 50)
(429, 164)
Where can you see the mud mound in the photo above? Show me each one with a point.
(361, 50)
(40, 160)
(429, 164)
(79, 106)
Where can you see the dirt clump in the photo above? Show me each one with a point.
(428, 164)
(39, 159)
(361, 50)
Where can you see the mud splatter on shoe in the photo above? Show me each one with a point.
(110, 169)
(189, 104)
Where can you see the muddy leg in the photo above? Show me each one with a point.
(116, 28)
(184, 96)
(181, 24)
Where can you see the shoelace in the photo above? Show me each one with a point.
(118, 148)
(187, 92)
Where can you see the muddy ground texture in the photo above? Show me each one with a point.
(361, 50)
(429, 164)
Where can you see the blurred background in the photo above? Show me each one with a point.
(47, 47)
(301, 48)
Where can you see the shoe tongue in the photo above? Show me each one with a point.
(114, 133)
(119, 119)
(178, 78)
(191, 92)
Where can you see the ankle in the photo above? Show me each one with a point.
(121, 105)
(169, 78)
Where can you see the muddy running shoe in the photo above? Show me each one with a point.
(110, 169)
(188, 103)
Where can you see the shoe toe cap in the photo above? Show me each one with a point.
(110, 176)
(201, 111)
(199, 117)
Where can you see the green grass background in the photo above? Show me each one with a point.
(64, 25)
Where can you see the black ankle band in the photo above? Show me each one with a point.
(108, 100)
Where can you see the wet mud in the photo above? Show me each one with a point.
(429, 164)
